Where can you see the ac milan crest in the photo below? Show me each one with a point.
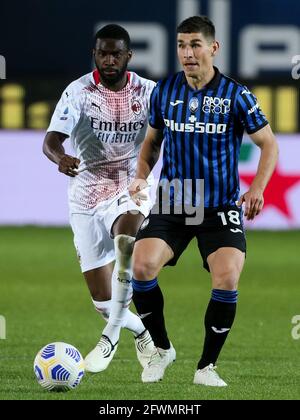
(136, 107)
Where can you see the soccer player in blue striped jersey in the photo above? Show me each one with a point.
(202, 115)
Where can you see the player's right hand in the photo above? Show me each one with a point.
(68, 165)
(135, 191)
(254, 202)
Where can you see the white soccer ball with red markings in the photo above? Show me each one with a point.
(58, 367)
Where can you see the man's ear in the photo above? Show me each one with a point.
(215, 48)
(130, 54)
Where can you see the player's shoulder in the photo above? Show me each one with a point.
(81, 84)
(240, 89)
(137, 81)
(172, 80)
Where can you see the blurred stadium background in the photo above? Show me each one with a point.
(46, 45)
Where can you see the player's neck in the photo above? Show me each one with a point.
(115, 87)
(202, 79)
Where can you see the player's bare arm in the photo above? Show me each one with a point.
(53, 148)
(253, 198)
(148, 157)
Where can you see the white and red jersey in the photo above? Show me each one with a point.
(106, 130)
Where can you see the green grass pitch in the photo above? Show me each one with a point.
(44, 298)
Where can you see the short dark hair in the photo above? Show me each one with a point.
(197, 24)
(114, 31)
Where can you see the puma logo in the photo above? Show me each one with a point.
(220, 331)
(95, 105)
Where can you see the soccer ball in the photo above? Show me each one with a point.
(58, 367)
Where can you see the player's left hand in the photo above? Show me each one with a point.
(136, 191)
(254, 202)
(68, 165)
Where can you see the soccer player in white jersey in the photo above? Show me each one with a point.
(105, 114)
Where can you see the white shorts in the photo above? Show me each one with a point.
(92, 231)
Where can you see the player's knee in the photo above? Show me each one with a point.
(145, 270)
(226, 278)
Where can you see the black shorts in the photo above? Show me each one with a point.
(221, 227)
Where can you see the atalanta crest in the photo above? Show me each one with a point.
(136, 107)
(193, 104)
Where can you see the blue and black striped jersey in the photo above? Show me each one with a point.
(203, 131)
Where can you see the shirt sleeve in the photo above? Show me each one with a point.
(249, 113)
(67, 112)
(156, 120)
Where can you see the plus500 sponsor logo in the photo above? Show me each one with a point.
(197, 127)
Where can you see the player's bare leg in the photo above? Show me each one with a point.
(149, 256)
(99, 283)
(225, 266)
(124, 231)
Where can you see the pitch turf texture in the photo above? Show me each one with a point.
(44, 298)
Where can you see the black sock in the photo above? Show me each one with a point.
(219, 318)
(149, 303)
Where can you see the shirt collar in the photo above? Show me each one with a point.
(213, 84)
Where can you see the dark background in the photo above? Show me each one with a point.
(47, 44)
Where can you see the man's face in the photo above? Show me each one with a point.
(195, 53)
(111, 59)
